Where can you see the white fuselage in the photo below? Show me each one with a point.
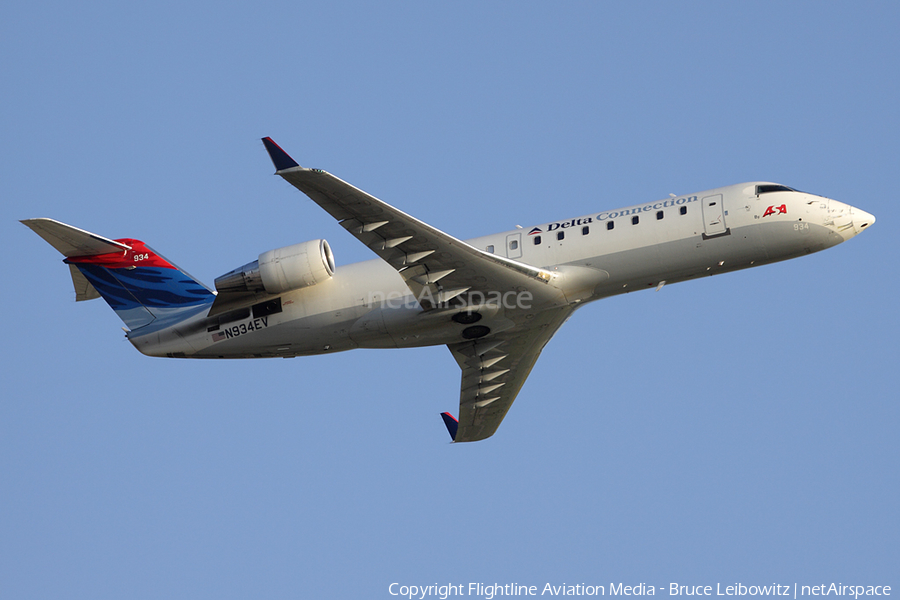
(369, 305)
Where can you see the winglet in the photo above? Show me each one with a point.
(451, 423)
(279, 157)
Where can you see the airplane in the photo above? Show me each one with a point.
(494, 301)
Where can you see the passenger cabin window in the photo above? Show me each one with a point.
(490, 248)
(560, 235)
(585, 230)
(537, 240)
(772, 187)
(659, 215)
(635, 220)
(610, 224)
(514, 244)
(684, 210)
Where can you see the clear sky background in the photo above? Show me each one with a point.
(742, 428)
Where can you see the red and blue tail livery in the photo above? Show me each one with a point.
(136, 282)
(140, 285)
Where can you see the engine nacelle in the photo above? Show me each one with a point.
(282, 270)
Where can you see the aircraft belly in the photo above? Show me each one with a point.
(409, 326)
(678, 260)
(688, 258)
(263, 337)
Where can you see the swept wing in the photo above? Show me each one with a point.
(493, 371)
(438, 267)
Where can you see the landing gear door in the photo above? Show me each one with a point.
(714, 216)
(514, 245)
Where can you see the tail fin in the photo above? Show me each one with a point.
(139, 284)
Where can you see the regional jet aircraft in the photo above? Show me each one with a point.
(494, 301)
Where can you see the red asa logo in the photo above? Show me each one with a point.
(776, 210)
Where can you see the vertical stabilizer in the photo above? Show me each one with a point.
(139, 284)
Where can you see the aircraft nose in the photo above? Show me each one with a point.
(846, 220)
(861, 219)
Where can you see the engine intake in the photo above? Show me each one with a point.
(282, 270)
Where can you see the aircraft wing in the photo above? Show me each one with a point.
(493, 371)
(436, 266)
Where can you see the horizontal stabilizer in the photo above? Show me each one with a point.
(71, 241)
(451, 423)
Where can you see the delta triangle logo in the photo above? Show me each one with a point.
(534, 231)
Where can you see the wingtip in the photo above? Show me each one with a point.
(279, 157)
(451, 423)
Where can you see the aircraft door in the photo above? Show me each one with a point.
(714, 216)
(514, 245)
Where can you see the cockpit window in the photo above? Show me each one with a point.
(772, 187)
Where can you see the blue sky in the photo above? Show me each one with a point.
(741, 428)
